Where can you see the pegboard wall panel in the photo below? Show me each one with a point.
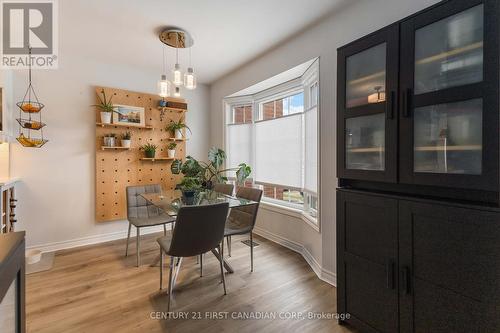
(118, 168)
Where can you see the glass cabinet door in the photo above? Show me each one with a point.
(366, 76)
(365, 142)
(449, 52)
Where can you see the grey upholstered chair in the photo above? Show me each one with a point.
(198, 229)
(224, 188)
(241, 220)
(142, 214)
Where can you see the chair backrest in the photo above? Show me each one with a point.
(137, 206)
(198, 229)
(224, 188)
(246, 216)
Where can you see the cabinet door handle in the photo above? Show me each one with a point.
(406, 99)
(405, 276)
(390, 274)
(389, 107)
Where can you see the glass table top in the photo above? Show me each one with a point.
(172, 200)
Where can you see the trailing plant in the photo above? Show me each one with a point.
(104, 105)
(189, 184)
(127, 135)
(211, 172)
(174, 126)
(171, 146)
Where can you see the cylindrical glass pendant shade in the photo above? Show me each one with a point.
(177, 75)
(164, 87)
(190, 79)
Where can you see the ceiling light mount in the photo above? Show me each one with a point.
(176, 38)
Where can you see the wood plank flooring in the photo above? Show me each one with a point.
(96, 289)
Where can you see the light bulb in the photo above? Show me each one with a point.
(190, 79)
(177, 75)
(164, 87)
(177, 92)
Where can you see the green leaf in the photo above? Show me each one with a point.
(176, 167)
(243, 172)
(216, 156)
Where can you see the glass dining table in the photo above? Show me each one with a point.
(170, 201)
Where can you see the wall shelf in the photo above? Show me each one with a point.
(114, 148)
(147, 127)
(175, 139)
(450, 148)
(367, 150)
(159, 159)
(166, 108)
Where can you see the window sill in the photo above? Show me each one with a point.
(293, 212)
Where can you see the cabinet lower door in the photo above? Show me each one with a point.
(449, 269)
(367, 261)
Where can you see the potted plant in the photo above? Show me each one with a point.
(210, 173)
(189, 186)
(149, 150)
(110, 139)
(171, 149)
(176, 128)
(126, 139)
(106, 107)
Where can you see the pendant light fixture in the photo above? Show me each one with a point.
(190, 77)
(164, 85)
(180, 39)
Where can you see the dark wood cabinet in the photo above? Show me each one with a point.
(439, 98)
(441, 271)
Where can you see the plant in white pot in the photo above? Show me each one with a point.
(176, 128)
(126, 139)
(171, 149)
(110, 140)
(106, 107)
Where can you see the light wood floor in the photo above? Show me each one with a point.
(96, 289)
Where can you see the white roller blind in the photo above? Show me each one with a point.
(239, 139)
(311, 151)
(278, 151)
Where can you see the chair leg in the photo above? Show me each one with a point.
(179, 263)
(251, 252)
(128, 238)
(138, 246)
(161, 269)
(221, 250)
(170, 281)
(164, 230)
(228, 238)
(201, 265)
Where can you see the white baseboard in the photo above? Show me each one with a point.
(325, 275)
(95, 239)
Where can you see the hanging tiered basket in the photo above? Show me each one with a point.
(30, 118)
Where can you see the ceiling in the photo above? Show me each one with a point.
(227, 33)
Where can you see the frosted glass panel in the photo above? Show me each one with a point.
(365, 142)
(239, 145)
(449, 53)
(278, 151)
(311, 151)
(448, 138)
(365, 75)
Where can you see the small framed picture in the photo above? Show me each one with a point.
(129, 115)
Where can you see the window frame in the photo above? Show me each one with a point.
(303, 85)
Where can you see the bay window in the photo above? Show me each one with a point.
(276, 132)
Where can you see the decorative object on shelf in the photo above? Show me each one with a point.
(129, 115)
(126, 139)
(171, 149)
(106, 107)
(109, 140)
(207, 174)
(149, 150)
(179, 39)
(30, 105)
(176, 128)
(176, 105)
(378, 96)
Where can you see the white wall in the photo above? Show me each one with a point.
(352, 22)
(57, 189)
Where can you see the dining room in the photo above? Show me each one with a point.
(265, 166)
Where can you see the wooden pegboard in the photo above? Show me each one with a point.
(117, 169)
